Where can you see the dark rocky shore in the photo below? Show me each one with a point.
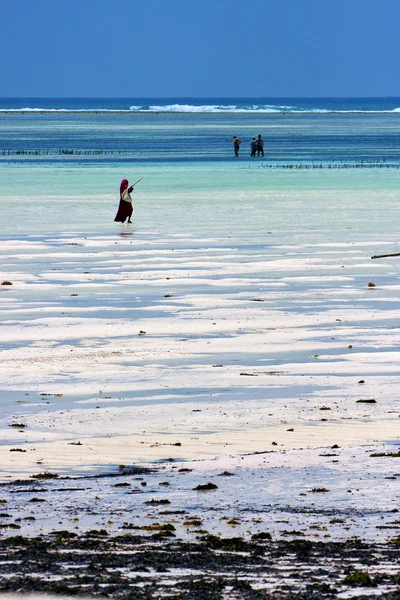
(159, 565)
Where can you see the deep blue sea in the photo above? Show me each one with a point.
(295, 130)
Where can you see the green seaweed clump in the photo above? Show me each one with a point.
(358, 579)
(45, 475)
(193, 523)
(263, 535)
(234, 544)
(97, 533)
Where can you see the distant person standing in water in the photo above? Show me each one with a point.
(125, 208)
(253, 147)
(260, 145)
(236, 145)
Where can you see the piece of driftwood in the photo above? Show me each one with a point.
(385, 255)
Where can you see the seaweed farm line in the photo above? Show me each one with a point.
(362, 164)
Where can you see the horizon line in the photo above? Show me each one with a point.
(197, 97)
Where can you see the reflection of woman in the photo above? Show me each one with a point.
(125, 208)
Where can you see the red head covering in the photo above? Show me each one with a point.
(123, 186)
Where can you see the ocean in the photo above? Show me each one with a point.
(246, 262)
(63, 153)
(239, 326)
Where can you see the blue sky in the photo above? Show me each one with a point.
(209, 48)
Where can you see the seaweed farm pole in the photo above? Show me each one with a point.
(385, 255)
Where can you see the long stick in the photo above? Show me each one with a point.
(386, 255)
(136, 182)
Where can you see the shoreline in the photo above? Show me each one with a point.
(276, 522)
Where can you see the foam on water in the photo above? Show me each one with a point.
(203, 105)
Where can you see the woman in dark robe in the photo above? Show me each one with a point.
(125, 208)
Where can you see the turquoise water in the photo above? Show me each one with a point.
(203, 200)
(323, 175)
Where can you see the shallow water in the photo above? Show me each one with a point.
(257, 264)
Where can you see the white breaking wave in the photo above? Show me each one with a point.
(206, 109)
(60, 110)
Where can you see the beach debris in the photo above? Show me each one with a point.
(75, 444)
(17, 450)
(168, 295)
(217, 366)
(328, 455)
(6, 283)
(63, 534)
(225, 474)
(206, 487)
(320, 490)
(74, 294)
(164, 483)
(386, 255)
(362, 381)
(132, 470)
(156, 502)
(233, 522)
(262, 535)
(366, 401)
(257, 300)
(37, 500)
(141, 332)
(173, 512)
(184, 470)
(350, 346)
(325, 408)
(371, 285)
(291, 429)
(386, 454)
(19, 425)
(249, 374)
(274, 443)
